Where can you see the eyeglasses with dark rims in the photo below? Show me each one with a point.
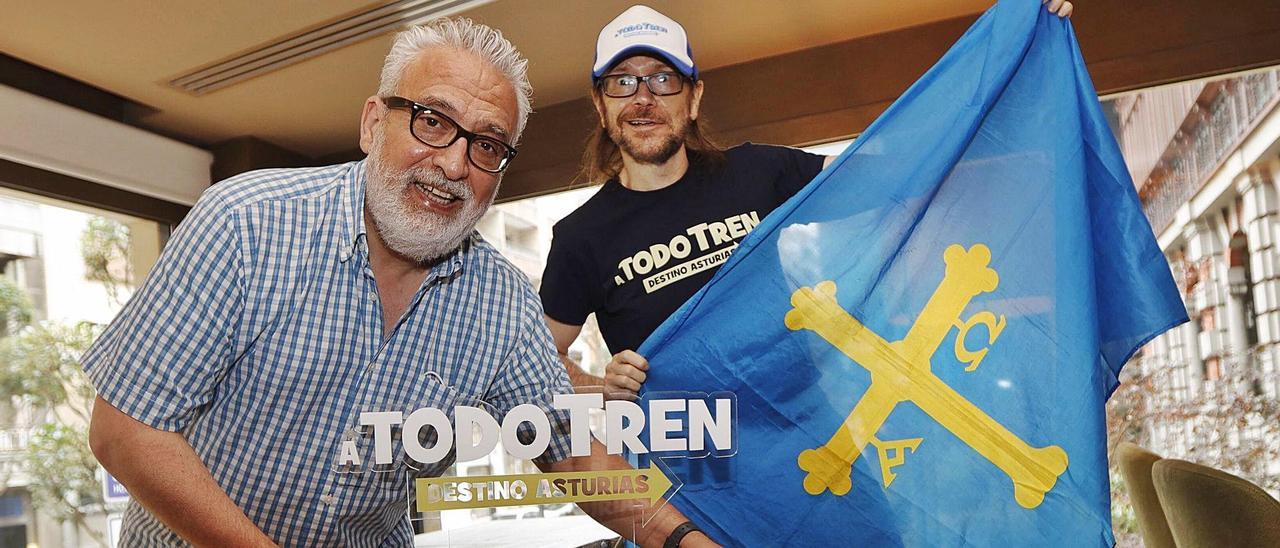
(626, 85)
(437, 130)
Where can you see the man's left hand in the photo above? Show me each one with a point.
(1061, 8)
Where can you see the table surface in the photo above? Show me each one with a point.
(557, 532)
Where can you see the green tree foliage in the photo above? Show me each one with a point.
(15, 308)
(104, 246)
(40, 365)
(40, 372)
(59, 456)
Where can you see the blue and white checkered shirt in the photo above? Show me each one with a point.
(259, 336)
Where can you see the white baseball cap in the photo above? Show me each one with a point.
(641, 30)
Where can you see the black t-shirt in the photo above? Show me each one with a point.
(634, 257)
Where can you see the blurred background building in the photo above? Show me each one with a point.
(1205, 157)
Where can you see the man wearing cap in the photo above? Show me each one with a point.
(673, 205)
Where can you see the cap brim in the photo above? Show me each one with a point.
(632, 51)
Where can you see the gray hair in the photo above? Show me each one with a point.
(464, 34)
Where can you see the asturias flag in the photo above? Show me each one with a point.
(922, 341)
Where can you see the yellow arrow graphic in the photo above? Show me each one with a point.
(448, 493)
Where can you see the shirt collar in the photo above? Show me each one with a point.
(353, 211)
(453, 264)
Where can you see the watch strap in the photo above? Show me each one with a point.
(678, 534)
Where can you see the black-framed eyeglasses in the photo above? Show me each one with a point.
(439, 131)
(626, 85)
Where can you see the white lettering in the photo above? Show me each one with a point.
(348, 455)
(543, 491)
(661, 254)
(680, 246)
(532, 414)
(500, 489)
(658, 440)
(475, 433)
(411, 435)
(699, 231)
(701, 424)
(466, 419)
(616, 433)
(643, 262)
(519, 489)
(381, 421)
(736, 230)
(579, 407)
(719, 233)
(625, 265)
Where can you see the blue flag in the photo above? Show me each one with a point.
(922, 341)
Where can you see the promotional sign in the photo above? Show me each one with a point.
(677, 423)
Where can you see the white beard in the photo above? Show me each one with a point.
(409, 229)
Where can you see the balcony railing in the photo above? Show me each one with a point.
(14, 440)
(1213, 132)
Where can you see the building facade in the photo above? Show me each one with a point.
(1205, 157)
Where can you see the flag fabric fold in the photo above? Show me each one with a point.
(922, 341)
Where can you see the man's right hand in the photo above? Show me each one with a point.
(624, 374)
(166, 476)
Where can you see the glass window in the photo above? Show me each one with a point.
(65, 271)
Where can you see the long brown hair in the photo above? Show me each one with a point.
(602, 159)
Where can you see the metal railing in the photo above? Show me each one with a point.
(14, 440)
(1215, 130)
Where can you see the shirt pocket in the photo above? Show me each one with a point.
(429, 392)
(436, 395)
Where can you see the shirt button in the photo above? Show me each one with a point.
(351, 435)
(328, 500)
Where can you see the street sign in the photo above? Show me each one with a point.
(112, 490)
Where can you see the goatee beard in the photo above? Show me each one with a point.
(654, 156)
(669, 146)
(421, 236)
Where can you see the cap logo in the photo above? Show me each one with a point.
(639, 29)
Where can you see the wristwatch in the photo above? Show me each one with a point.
(677, 534)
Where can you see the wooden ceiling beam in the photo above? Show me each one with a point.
(831, 92)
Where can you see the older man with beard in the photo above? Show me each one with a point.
(230, 388)
(672, 206)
